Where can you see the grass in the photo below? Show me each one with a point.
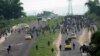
(53, 23)
(44, 49)
(42, 40)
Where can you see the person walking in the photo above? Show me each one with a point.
(60, 47)
(83, 49)
(48, 43)
(9, 49)
(36, 47)
(73, 46)
(52, 50)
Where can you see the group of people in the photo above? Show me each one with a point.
(83, 48)
(76, 23)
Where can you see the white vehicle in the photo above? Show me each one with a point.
(28, 37)
(73, 35)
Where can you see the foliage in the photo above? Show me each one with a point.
(11, 9)
(42, 40)
(94, 14)
(45, 14)
(93, 7)
(54, 22)
(44, 49)
(95, 38)
(4, 24)
(94, 48)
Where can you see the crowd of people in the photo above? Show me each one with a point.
(76, 23)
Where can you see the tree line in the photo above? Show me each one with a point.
(94, 7)
(94, 12)
(11, 9)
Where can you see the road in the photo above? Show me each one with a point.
(20, 46)
(75, 24)
(75, 52)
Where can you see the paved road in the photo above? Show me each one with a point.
(74, 24)
(20, 46)
(72, 52)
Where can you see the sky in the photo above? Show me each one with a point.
(32, 7)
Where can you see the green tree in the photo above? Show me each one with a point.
(93, 7)
(11, 9)
(94, 47)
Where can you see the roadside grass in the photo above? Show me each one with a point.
(42, 42)
(53, 22)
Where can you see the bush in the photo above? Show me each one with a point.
(94, 48)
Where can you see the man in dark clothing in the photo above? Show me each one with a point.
(60, 47)
(9, 49)
(52, 50)
(48, 43)
(73, 46)
(36, 47)
(83, 48)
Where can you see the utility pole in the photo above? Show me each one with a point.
(70, 9)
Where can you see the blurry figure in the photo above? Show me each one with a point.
(31, 35)
(83, 49)
(19, 31)
(36, 47)
(52, 50)
(9, 49)
(73, 46)
(48, 43)
(60, 47)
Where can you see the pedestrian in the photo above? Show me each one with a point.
(84, 49)
(73, 46)
(48, 43)
(9, 49)
(81, 48)
(52, 50)
(60, 47)
(36, 47)
(37, 34)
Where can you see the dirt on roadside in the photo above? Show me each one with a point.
(57, 43)
(85, 37)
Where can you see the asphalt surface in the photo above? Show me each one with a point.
(74, 24)
(73, 52)
(20, 46)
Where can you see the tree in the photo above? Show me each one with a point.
(94, 48)
(11, 9)
(93, 7)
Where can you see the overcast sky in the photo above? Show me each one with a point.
(57, 6)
